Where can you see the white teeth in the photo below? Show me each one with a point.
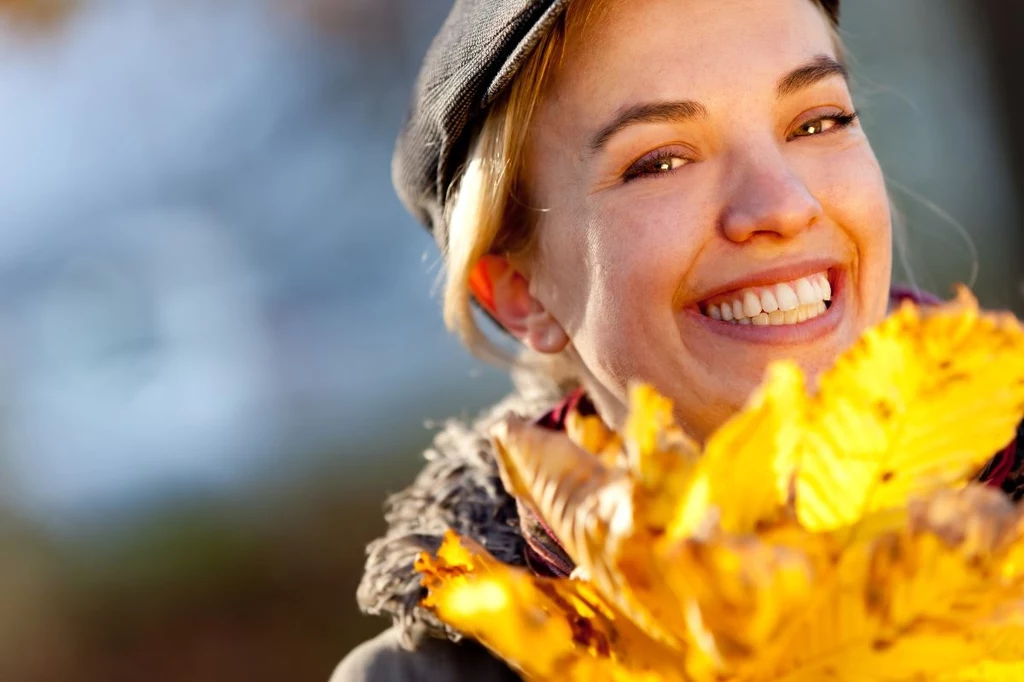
(786, 297)
(806, 293)
(783, 303)
(751, 304)
(826, 289)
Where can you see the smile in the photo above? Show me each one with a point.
(783, 303)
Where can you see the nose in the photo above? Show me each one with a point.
(768, 197)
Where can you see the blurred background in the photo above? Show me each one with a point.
(219, 342)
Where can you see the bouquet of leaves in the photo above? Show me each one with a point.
(828, 536)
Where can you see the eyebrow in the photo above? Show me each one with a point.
(652, 112)
(800, 78)
(815, 71)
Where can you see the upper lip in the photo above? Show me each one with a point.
(781, 273)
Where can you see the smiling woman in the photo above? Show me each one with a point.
(662, 177)
(677, 193)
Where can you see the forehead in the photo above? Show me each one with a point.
(695, 49)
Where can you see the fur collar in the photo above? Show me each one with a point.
(459, 488)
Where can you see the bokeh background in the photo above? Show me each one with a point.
(220, 344)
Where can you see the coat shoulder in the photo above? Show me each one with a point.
(386, 659)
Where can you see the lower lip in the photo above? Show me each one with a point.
(784, 334)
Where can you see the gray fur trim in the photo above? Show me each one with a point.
(459, 488)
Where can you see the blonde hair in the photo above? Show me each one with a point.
(488, 210)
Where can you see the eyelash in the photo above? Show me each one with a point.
(842, 120)
(644, 166)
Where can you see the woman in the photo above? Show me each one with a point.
(672, 191)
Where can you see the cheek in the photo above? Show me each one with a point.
(852, 192)
(642, 244)
(638, 251)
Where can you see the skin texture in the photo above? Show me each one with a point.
(760, 187)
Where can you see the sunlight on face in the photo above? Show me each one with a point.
(712, 203)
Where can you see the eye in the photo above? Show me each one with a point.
(825, 124)
(658, 162)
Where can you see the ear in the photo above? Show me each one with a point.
(504, 292)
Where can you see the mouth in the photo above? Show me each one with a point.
(785, 303)
(787, 306)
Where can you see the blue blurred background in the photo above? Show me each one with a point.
(219, 341)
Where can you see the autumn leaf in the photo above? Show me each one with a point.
(826, 536)
(918, 404)
(589, 507)
(543, 627)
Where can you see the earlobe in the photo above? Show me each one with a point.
(505, 293)
(543, 332)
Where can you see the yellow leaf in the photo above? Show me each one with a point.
(917, 657)
(986, 671)
(745, 472)
(746, 591)
(918, 404)
(649, 424)
(594, 436)
(833, 537)
(1002, 656)
(585, 503)
(662, 461)
(929, 585)
(544, 628)
(540, 620)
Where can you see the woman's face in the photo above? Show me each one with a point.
(703, 179)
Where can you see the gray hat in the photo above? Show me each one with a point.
(476, 54)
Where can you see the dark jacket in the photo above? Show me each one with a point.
(385, 659)
(460, 489)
